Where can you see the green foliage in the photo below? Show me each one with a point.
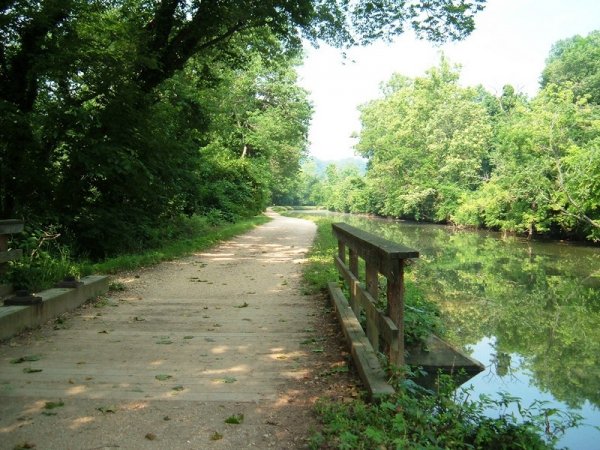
(575, 63)
(413, 419)
(44, 260)
(439, 152)
(427, 141)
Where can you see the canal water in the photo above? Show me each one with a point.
(529, 310)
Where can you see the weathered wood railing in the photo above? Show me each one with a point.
(384, 329)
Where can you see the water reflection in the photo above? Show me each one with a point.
(529, 310)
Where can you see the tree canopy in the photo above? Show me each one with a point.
(117, 117)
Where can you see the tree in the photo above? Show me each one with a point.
(576, 61)
(427, 141)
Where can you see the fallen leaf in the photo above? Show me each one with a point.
(52, 405)
(107, 409)
(24, 445)
(27, 358)
(236, 419)
(150, 436)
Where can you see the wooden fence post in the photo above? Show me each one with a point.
(395, 307)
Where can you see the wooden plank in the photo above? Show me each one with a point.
(11, 226)
(10, 255)
(365, 358)
(364, 239)
(372, 248)
(372, 283)
(386, 328)
(348, 277)
(395, 305)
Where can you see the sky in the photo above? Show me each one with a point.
(510, 44)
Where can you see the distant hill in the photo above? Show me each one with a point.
(359, 163)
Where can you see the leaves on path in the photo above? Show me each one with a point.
(54, 405)
(236, 419)
(107, 409)
(312, 340)
(216, 436)
(227, 380)
(26, 358)
(24, 445)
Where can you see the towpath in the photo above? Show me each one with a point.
(223, 334)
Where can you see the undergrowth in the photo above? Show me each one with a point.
(446, 418)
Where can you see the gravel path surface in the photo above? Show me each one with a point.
(223, 335)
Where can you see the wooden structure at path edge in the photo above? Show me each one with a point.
(384, 329)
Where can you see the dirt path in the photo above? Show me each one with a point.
(187, 345)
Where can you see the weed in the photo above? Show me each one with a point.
(236, 419)
(216, 436)
(54, 405)
(116, 286)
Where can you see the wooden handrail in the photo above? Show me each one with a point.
(384, 257)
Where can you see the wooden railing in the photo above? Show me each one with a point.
(384, 329)
(381, 257)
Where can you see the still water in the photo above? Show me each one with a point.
(528, 310)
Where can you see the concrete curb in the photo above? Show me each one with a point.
(15, 319)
